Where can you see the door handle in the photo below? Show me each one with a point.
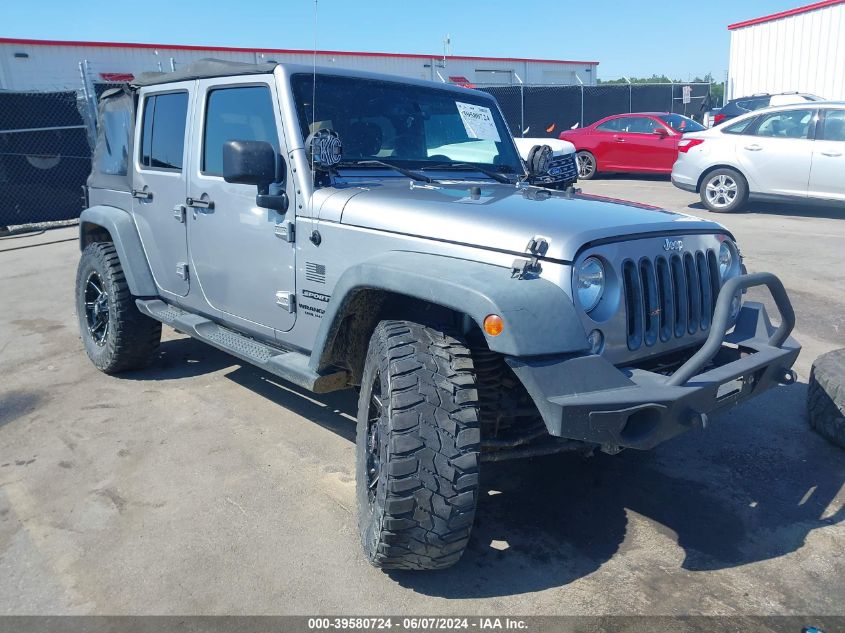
(618, 140)
(142, 195)
(753, 148)
(832, 154)
(179, 212)
(199, 204)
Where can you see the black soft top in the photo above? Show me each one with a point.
(202, 69)
(111, 162)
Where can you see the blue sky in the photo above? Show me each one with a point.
(681, 39)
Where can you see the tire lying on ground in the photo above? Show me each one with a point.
(826, 396)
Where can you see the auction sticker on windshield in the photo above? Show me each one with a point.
(478, 121)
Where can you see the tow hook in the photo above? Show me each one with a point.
(788, 377)
(694, 419)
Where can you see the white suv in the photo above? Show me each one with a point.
(794, 152)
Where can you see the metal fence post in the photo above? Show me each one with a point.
(581, 122)
(582, 105)
(88, 88)
(709, 98)
(521, 105)
(671, 96)
(90, 98)
(521, 110)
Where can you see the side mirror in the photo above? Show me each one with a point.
(254, 163)
(660, 131)
(249, 163)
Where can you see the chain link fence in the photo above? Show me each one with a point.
(45, 156)
(46, 139)
(544, 111)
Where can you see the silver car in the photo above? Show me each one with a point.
(788, 153)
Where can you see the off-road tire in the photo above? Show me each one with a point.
(428, 434)
(826, 396)
(132, 339)
(740, 199)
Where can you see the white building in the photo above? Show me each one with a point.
(54, 65)
(799, 50)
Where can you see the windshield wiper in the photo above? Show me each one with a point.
(495, 175)
(377, 163)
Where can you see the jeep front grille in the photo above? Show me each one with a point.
(669, 296)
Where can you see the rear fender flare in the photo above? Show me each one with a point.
(121, 228)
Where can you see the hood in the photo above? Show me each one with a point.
(505, 218)
(559, 147)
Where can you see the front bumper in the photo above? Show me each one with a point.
(587, 398)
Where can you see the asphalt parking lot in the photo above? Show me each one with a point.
(202, 486)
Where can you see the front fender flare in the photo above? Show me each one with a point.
(539, 317)
(126, 242)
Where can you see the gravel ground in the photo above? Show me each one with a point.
(202, 486)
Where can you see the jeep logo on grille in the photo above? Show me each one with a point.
(673, 245)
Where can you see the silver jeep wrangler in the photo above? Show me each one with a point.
(348, 230)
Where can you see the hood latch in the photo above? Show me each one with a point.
(537, 247)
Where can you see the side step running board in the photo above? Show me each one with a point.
(292, 366)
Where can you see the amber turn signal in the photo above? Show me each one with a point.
(493, 324)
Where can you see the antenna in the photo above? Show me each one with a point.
(315, 234)
(314, 82)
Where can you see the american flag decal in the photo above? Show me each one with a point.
(315, 272)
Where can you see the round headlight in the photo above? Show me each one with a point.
(726, 260)
(590, 283)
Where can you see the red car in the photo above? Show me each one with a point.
(641, 142)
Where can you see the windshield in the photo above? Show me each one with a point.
(406, 125)
(681, 123)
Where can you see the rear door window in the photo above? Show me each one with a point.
(163, 133)
(833, 127)
(787, 124)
